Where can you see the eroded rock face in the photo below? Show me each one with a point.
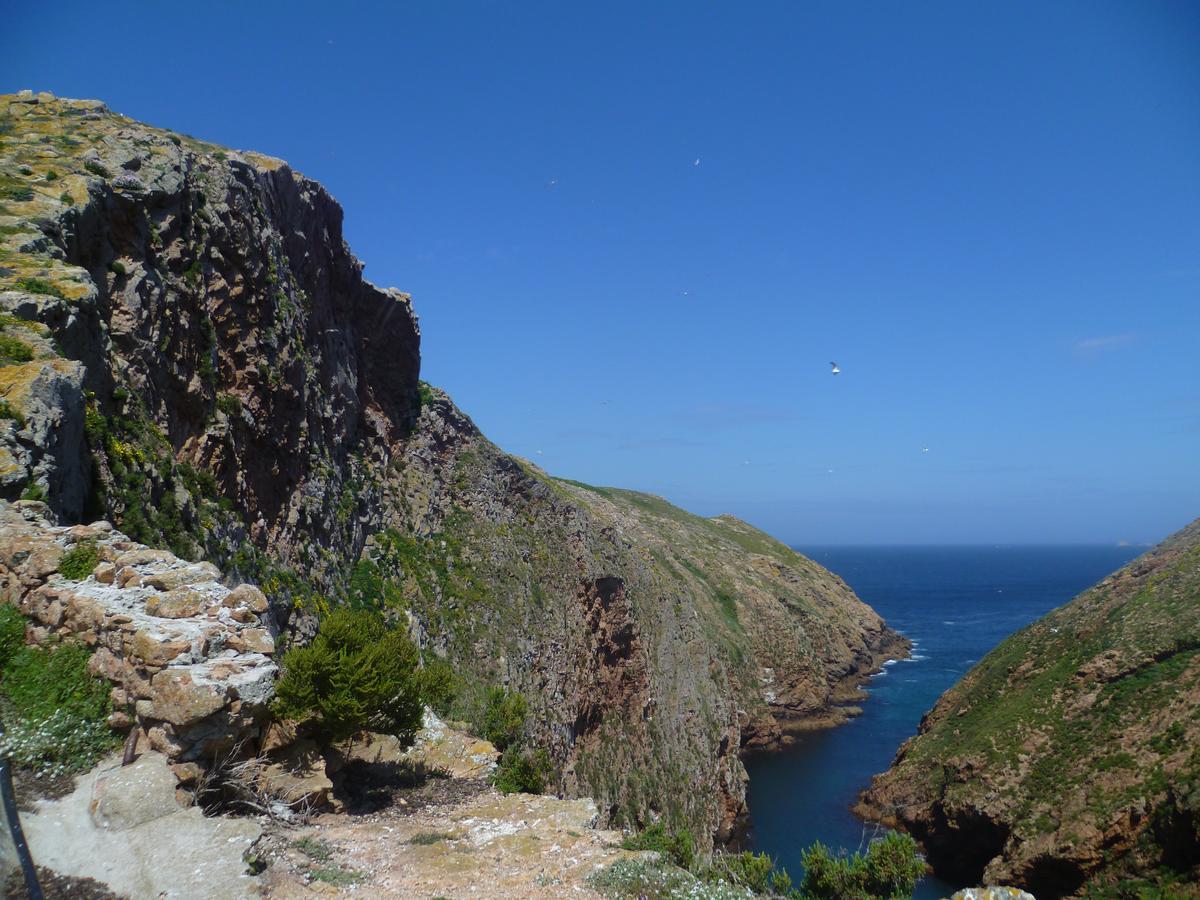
(1067, 758)
(194, 666)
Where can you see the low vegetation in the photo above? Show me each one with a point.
(54, 711)
(78, 562)
(889, 869)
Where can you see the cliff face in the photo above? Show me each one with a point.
(1068, 759)
(188, 349)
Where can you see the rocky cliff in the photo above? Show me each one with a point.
(188, 350)
(1068, 759)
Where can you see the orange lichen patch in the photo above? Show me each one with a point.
(17, 380)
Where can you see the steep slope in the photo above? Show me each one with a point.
(1070, 755)
(189, 350)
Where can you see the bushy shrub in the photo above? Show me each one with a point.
(230, 404)
(678, 846)
(439, 686)
(356, 674)
(753, 871)
(890, 868)
(503, 721)
(78, 562)
(522, 771)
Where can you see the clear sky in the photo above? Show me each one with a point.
(988, 214)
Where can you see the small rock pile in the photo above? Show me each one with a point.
(190, 658)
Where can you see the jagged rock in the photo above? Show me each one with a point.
(992, 893)
(439, 746)
(297, 774)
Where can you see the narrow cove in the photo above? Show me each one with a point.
(955, 603)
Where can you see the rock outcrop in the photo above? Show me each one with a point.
(247, 398)
(189, 658)
(1068, 759)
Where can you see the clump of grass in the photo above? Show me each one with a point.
(8, 412)
(65, 197)
(116, 267)
(14, 350)
(52, 175)
(314, 848)
(39, 286)
(335, 875)
(35, 491)
(425, 838)
(78, 562)
(96, 168)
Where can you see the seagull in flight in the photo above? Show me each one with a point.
(924, 449)
(697, 162)
(834, 370)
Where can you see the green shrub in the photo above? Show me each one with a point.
(96, 168)
(439, 686)
(356, 674)
(503, 721)
(522, 771)
(117, 267)
(753, 871)
(229, 404)
(54, 711)
(14, 350)
(65, 197)
(677, 846)
(52, 175)
(35, 491)
(890, 868)
(21, 194)
(8, 412)
(78, 562)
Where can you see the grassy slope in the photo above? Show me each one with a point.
(1081, 732)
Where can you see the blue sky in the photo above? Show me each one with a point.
(987, 213)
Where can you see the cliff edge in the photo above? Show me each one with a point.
(188, 350)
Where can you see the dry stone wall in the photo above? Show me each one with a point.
(189, 657)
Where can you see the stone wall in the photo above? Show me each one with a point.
(190, 658)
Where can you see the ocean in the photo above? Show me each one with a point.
(955, 604)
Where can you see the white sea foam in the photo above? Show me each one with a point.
(916, 657)
(889, 662)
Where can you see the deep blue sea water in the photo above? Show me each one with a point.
(955, 604)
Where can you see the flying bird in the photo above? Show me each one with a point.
(834, 370)
(924, 449)
(697, 162)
